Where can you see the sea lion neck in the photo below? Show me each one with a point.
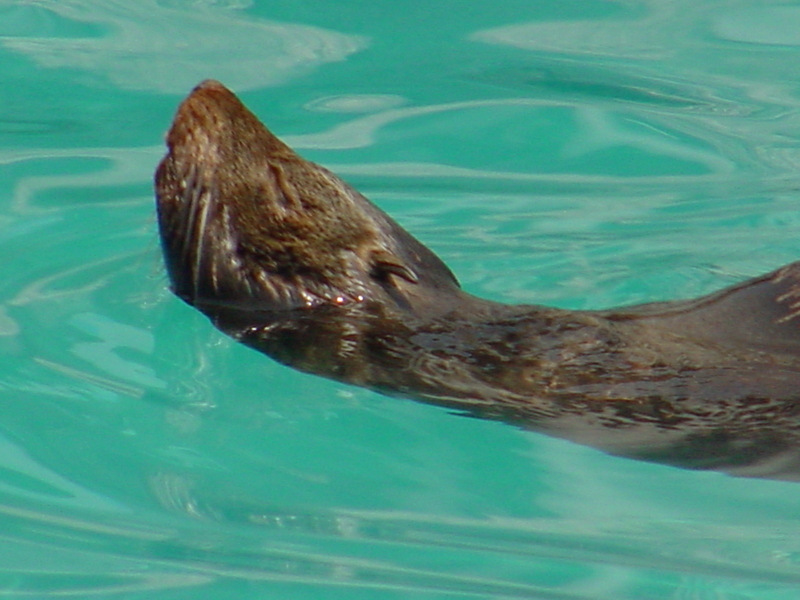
(260, 223)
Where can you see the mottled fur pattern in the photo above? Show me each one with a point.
(283, 255)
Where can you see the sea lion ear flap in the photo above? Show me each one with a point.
(385, 263)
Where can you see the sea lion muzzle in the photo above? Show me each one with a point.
(284, 256)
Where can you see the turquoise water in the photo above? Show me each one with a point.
(575, 153)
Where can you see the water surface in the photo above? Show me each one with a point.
(578, 154)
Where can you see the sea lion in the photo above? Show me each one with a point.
(285, 257)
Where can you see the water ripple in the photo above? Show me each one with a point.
(149, 45)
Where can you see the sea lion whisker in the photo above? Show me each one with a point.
(201, 218)
(187, 214)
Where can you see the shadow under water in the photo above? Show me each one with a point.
(285, 257)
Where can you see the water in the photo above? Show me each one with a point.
(573, 153)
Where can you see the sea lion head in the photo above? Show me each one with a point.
(245, 222)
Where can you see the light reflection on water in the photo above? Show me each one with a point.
(569, 154)
(170, 46)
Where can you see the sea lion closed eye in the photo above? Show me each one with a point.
(287, 258)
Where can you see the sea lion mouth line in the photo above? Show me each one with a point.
(210, 269)
(217, 274)
(287, 258)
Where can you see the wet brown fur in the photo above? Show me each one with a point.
(284, 256)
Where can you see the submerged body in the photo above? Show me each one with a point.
(285, 257)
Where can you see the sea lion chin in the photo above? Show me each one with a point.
(287, 258)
